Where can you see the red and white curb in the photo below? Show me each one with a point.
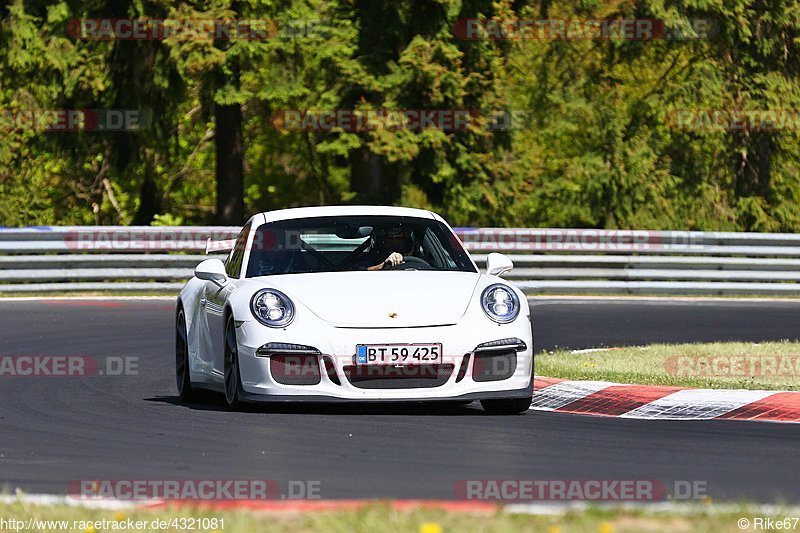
(265, 506)
(449, 506)
(663, 403)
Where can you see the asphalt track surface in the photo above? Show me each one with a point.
(55, 430)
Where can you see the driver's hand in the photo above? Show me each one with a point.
(394, 259)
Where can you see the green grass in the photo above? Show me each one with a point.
(767, 365)
(381, 517)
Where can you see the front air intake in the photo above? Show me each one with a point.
(330, 368)
(299, 369)
(392, 377)
(462, 371)
(494, 366)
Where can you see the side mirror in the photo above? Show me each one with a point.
(212, 270)
(498, 264)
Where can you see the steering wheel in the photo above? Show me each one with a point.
(410, 263)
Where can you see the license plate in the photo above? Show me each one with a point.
(398, 354)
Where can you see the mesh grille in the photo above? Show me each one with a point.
(494, 366)
(295, 369)
(405, 377)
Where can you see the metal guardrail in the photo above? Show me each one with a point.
(547, 261)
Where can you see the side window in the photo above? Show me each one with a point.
(234, 264)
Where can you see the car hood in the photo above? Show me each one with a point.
(409, 298)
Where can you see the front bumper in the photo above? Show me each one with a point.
(464, 374)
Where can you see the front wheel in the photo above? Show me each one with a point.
(232, 376)
(512, 406)
(182, 376)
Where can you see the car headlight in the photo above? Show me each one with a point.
(272, 308)
(500, 303)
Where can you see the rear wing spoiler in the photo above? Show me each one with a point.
(213, 247)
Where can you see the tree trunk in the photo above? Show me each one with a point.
(230, 164)
(753, 163)
(149, 198)
(374, 181)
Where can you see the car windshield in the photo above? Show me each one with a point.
(338, 244)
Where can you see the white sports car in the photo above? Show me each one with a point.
(354, 303)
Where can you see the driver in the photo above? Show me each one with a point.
(393, 243)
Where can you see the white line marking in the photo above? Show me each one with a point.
(57, 499)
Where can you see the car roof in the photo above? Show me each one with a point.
(346, 210)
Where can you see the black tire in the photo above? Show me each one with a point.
(511, 406)
(182, 376)
(233, 381)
